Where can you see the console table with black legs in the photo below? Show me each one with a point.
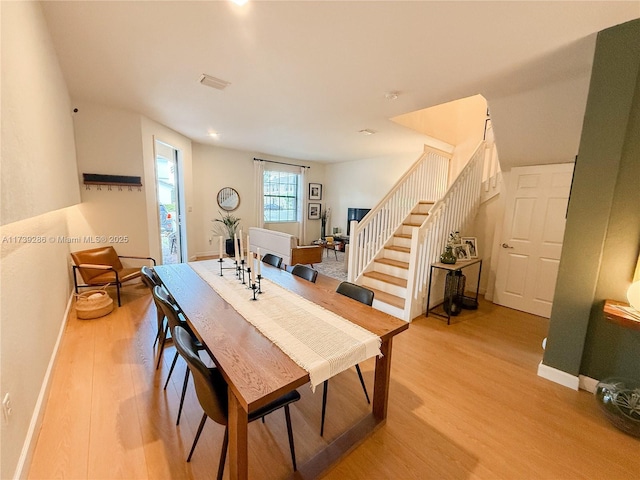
(458, 266)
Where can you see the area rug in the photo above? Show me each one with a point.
(331, 267)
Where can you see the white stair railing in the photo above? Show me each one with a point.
(425, 181)
(451, 213)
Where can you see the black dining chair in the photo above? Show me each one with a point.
(362, 295)
(271, 259)
(211, 390)
(151, 279)
(305, 272)
(166, 303)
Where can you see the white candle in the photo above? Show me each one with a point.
(255, 270)
(248, 246)
(235, 247)
(258, 268)
(220, 246)
(241, 247)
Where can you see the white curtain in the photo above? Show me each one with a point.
(258, 177)
(302, 207)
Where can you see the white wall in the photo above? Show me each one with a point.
(38, 158)
(108, 141)
(217, 167)
(470, 118)
(117, 142)
(38, 175)
(361, 184)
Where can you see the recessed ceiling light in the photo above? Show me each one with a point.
(367, 131)
(213, 82)
(214, 134)
(240, 2)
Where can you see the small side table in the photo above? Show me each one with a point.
(618, 312)
(459, 265)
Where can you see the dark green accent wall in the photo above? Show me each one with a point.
(602, 234)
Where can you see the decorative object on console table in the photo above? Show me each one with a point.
(448, 256)
(315, 191)
(472, 243)
(462, 252)
(230, 226)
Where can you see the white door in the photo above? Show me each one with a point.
(532, 235)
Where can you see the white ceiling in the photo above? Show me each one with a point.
(306, 76)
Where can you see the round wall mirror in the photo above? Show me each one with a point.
(228, 199)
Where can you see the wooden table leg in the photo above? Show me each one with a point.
(238, 453)
(381, 383)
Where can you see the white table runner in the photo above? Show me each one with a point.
(320, 341)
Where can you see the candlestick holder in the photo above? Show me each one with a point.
(259, 277)
(242, 270)
(254, 290)
(221, 262)
(250, 279)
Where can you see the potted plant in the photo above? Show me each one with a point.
(229, 227)
(449, 256)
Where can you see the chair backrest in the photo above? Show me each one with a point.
(305, 272)
(211, 388)
(96, 256)
(361, 294)
(150, 277)
(271, 259)
(165, 303)
(329, 239)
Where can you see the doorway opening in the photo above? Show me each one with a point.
(169, 204)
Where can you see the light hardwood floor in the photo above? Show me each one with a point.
(465, 402)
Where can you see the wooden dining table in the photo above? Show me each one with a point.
(258, 372)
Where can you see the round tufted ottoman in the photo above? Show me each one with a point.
(619, 399)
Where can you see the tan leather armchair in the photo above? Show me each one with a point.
(307, 254)
(102, 266)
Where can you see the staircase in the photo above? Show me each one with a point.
(390, 273)
(392, 248)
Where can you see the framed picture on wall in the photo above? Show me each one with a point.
(472, 243)
(314, 211)
(315, 191)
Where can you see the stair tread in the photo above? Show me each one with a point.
(402, 235)
(385, 297)
(400, 282)
(393, 263)
(398, 248)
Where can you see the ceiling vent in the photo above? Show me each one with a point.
(213, 82)
(367, 131)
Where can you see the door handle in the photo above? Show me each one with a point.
(504, 245)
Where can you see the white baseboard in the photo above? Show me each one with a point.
(26, 455)
(558, 376)
(207, 254)
(589, 384)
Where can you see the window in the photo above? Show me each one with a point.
(280, 196)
